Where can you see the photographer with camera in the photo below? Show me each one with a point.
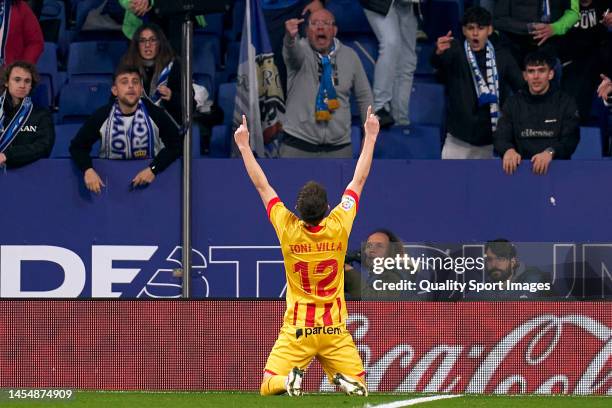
(360, 281)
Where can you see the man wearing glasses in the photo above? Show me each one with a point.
(321, 74)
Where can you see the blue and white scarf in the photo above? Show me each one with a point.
(21, 117)
(5, 21)
(327, 99)
(162, 79)
(487, 91)
(136, 142)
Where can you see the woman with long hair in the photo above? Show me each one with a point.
(151, 52)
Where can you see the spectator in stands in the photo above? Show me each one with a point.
(359, 284)
(585, 52)
(502, 264)
(276, 12)
(395, 24)
(540, 123)
(20, 33)
(26, 132)
(478, 77)
(131, 127)
(151, 52)
(139, 11)
(322, 72)
(529, 24)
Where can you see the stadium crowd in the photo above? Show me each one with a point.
(518, 80)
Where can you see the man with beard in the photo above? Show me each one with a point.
(130, 127)
(502, 264)
(321, 74)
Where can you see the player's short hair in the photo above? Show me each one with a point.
(126, 69)
(31, 68)
(477, 15)
(502, 248)
(537, 58)
(312, 203)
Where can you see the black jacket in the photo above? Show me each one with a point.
(513, 15)
(532, 123)
(95, 125)
(34, 141)
(465, 120)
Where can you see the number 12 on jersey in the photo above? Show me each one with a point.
(328, 267)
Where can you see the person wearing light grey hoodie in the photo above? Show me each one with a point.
(321, 74)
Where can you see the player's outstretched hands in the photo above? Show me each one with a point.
(241, 136)
(371, 125)
(444, 43)
(292, 26)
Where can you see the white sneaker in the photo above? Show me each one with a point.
(350, 387)
(293, 384)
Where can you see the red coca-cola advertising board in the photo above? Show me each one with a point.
(476, 347)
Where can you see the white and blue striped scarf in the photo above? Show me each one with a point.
(137, 142)
(12, 129)
(487, 91)
(155, 96)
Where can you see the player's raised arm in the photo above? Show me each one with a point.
(364, 163)
(241, 136)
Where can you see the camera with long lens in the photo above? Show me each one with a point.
(352, 256)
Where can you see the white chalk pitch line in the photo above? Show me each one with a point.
(414, 401)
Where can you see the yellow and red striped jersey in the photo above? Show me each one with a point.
(314, 262)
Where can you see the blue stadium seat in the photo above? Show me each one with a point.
(41, 96)
(209, 44)
(589, 147)
(83, 7)
(226, 99)
(79, 100)
(349, 15)
(47, 69)
(231, 61)
(220, 141)
(427, 104)
(424, 70)
(55, 10)
(412, 142)
(63, 136)
(204, 67)
(366, 47)
(94, 61)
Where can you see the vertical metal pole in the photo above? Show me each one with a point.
(187, 112)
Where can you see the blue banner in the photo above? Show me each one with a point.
(59, 240)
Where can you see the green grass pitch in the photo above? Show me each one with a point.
(112, 399)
